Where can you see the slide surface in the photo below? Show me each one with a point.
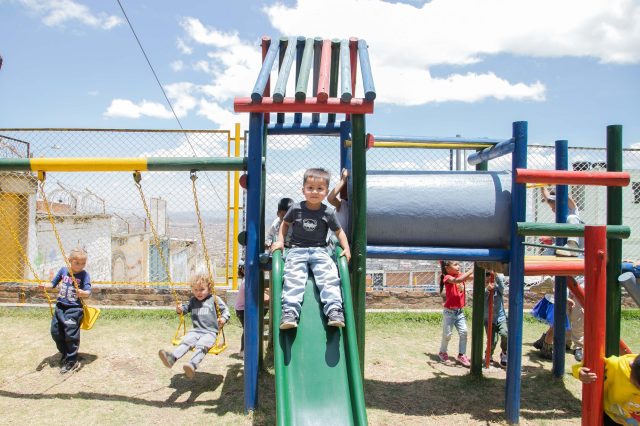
(318, 379)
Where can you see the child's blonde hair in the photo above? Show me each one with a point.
(201, 280)
(317, 173)
(77, 252)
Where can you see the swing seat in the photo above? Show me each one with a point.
(89, 317)
(217, 347)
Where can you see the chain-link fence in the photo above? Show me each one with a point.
(103, 212)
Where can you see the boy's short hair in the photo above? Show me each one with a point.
(284, 204)
(201, 280)
(77, 252)
(317, 173)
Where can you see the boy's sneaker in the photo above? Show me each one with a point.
(547, 351)
(538, 343)
(462, 359)
(578, 355)
(503, 359)
(444, 357)
(335, 317)
(167, 358)
(567, 253)
(189, 370)
(289, 320)
(69, 366)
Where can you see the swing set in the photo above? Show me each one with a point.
(41, 165)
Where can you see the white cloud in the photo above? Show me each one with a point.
(223, 117)
(56, 13)
(183, 47)
(124, 108)
(93, 93)
(463, 32)
(177, 65)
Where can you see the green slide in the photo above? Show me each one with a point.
(318, 380)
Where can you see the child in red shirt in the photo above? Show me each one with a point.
(453, 315)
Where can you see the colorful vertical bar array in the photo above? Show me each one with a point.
(345, 72)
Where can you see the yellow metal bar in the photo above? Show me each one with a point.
(428, 145)
(95, 164)
(114, 283)
(228, 214)
(236, 209)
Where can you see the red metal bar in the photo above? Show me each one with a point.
(563, 269)
(325, 72)
(578, 292)
(569, 177)
(595, 244)
(487, 357)
(266, 42)
(333, 105)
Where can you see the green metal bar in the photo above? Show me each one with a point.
(305, 70)
(477, 312)
(359, 227)
(351, 346)
(567, 230)
(614, 246)
(576, 250)
(277, 267)
(333, 76)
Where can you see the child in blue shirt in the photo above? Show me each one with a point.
(73, 285)
(499, 320)
(206, 324)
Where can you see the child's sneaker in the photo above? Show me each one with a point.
(167, 358)
(503, 359)
(335, 317)
(69, 366)
(547, 351)
(568, 253)
(462, 359)
(444, 357)
(289, 320)
(189, 370)
(538, 343)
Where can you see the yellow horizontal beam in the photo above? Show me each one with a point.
(91, 164)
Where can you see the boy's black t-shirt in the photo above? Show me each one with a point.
(310, 227)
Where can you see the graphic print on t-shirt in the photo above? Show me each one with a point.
(309, 225)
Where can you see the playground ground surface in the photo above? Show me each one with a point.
(123, 381)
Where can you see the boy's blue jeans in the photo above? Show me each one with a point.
(65, 330)
(296, 270)
(453, 318)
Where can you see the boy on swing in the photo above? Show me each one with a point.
(67, 317)
(206, 325)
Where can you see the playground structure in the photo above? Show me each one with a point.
(494, 194)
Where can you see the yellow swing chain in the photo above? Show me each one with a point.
(8, 225)
(87, 322)
(137, 177)
(218, 346)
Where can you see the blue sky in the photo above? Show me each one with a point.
(445, 67)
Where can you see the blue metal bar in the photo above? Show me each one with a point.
(438, 253)
(253, 295)
(439, 139)
(283, 76)
(304, 129)
(345, 163)
(560, 288)
(503, 148)
(365, 68)
(265, 72)
(317, 54)
(345, 72)
(516, 277)
(300, 45)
